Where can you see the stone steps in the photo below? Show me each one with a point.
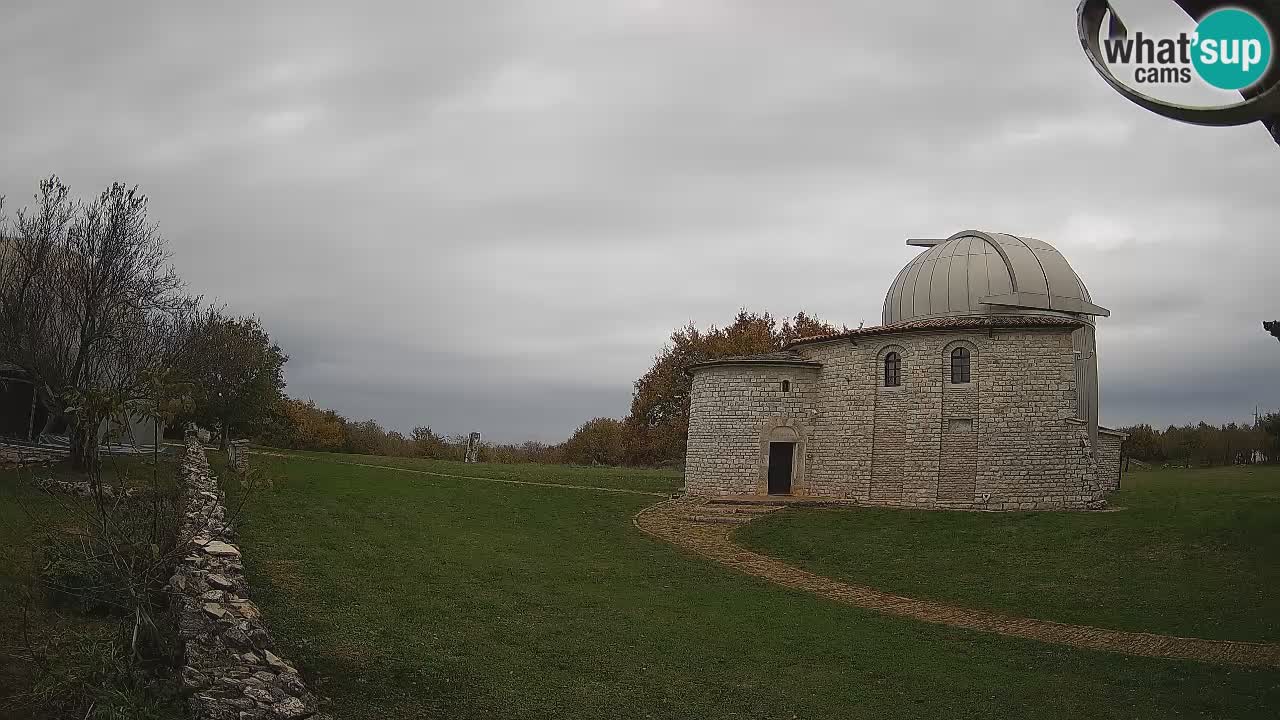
(773, 501)
(742, 509)
(726, 513)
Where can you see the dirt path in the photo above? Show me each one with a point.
(672, 521)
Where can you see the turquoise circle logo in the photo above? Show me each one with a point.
(1232, 49)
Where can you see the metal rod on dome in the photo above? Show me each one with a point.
(925, 242)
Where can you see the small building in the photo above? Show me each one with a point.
(23, 417)
(978, 391)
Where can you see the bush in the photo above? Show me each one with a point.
(87, 671)
(596, 442)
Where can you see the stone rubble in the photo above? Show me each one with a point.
(230, 668)
(80, 488)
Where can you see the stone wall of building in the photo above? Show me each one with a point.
(1006, 440)
(1110, 443)
(732, 411)
(959, 452)
(230, 666)
(1033, 455)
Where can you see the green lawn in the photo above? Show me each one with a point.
(1191, 552)
(53, 657)
(657, 481)
(20, 505)
(407, 595)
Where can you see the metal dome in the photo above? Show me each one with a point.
(981, 273)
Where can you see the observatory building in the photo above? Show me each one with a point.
(978, 391)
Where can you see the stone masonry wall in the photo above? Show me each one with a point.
(1109, 444)
(1033, 456)
(230, 668)
(959, 452)
(731, 408)
(1004, 441)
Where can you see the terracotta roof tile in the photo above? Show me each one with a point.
(960, 322)
(779, 357)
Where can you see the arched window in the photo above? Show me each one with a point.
(892, 370)
(960, 365)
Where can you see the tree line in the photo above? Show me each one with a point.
(302, 425)
(654, 431)
(1206, 445)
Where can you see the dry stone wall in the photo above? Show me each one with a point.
(1007, 440)
(231, 668)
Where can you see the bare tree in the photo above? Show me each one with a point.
(87, 304)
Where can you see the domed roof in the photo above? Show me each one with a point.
(982, 273)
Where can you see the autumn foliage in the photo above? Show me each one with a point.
(304, 426)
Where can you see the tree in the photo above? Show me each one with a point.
(656, 430)
(236, 374)
(596, 442)
(1272, 327)
(87, 301)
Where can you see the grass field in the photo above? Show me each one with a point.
(1191, 552)
(406, 595)
(662, 482)
(55, 659)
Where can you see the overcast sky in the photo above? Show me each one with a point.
(486, 215)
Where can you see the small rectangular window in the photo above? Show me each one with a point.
(786, 386)
(960, 425)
